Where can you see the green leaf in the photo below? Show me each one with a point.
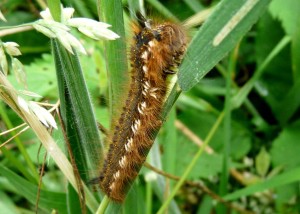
(208, 165)
(7, 205)
(287, 11)
(296, 53)
(48, 200)
(200, 123)
(40, 77)
(262, 162)
(206, 205)
(286, 193)
(286, 147)
(218, 36)
(242, 94)
(281, 94)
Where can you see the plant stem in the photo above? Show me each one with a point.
(103, 205)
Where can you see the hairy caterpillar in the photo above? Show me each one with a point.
(156, 52)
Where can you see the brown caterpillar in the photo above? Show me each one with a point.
(156, 52)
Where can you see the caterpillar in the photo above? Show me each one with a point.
(156, 52)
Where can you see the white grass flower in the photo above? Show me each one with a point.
(86, 22)
(30, 94)
(151, 176)
(93, 29)
(49, 27)
(19, 71)
(46, 15)
(43, 115)
(64, 41)
(106, 34)
(3, 61)
(69, 41)
(89, 27)
(2, 17)
(76, 43)
(60, 31)
(67, 13)
(12, 48)
(23, 104)
(47, 32)
(54, 25)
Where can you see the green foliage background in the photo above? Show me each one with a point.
(250, 98)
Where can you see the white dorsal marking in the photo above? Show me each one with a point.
(112, 186)
(153, 95)
(151, 44)
(145, 69)
(145, 55)
(122, 162)
(116, 175)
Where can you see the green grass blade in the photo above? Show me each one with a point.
(55, 9)
(276, 181)
(110, 11)
(212, 42)
(81, 7)
(195, 5)
(20, 145)
(68, 117)
(7, 205)
(149, 200)
(163, 10)
(81, 116)
(72, 200)
(11, 157)
(159, 184)
(227, 131)
(48, 200)
(170, 143)
(103, 205)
